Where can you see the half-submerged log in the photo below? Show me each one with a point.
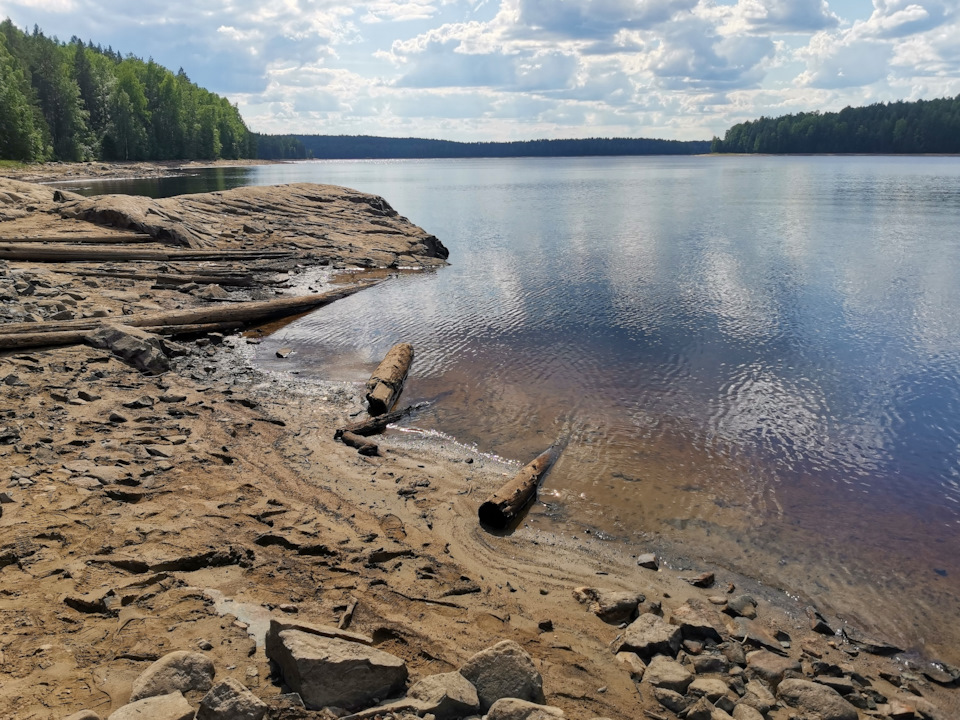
(374, 425)
(386, 383)
(506, 504)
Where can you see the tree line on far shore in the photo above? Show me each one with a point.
(339, 147)
(75, 101)
(924, 126)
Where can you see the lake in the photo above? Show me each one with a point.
(755, 360)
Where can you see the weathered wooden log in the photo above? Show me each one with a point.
(77, 253)
(69, 332)
(170, 278)
(386, 383)
(506, 504)
(374, 425)
(362, 444)
(119, 239)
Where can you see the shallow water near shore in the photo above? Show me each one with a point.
(755, 360)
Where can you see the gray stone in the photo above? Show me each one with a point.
(711, 688)
(745, 712)
(663, 672)
(634, 664)
(710, 663)
(514, 709)
(504, 671)
(230, 700)
(446, 696)
(814, 698)
(179, 671)
(648, 560)
(670, 699)
(83, 715)
(697, 621)
(332, 672)
(702, 709)
(160, 707)
(145, 351)
(742, 606)
(611, 606)
(754, 633)
(759, 697)
(769, 667)
(650, 635)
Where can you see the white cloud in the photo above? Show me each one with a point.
(788, 16)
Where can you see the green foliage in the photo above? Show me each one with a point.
(363, 146)
(79, 102)
(924, 126)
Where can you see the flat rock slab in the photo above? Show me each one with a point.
(161, 707)
(514, 709)
(179, 671)
(504, 671)
(816, 699)
(333, 672)
(650, 635)
(698, 621)
(770, 667)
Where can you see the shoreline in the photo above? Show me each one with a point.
(234, 457)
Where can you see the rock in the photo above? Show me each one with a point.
(710, 663)
(702, 709)
(742, 606)
(284, 352)
(650, 635)
(179, 671)
(663, 672)
(759, 697)
(697, 621)
(611, 606)
(670, 699)
(754, 633)
(648, 560)
(711, 688)
(733, 651)
(634, 664)
(814, 698)
(703, 580)
(278, 625)
(869, 644)
(514, 709)
(446, 696)
(230, 700)
(144, 401)
(818, 623)
(503, 671)
(83, 715)
(332, 672)
(745, 712)
(145, 351)
(160, 707)
(769, 667)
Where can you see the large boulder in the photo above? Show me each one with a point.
(173, 706)
(815, 699)
(770, 667)
(504, 671)
(143, 350)
(650, 635)
(230, 700)
(514, 709)
(179, 671)
(697, 621)
(332, 672)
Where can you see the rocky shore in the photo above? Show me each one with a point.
(181, 535)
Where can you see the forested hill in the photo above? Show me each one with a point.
(924, 126)
(73, 101)
(342, 147)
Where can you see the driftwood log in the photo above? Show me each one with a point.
(68, 332)
(502, 508)
(39, 252)
(116, 239)
(386, 383)
(374, 425)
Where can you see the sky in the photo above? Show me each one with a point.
(526, 69)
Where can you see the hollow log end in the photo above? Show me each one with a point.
(491, 515)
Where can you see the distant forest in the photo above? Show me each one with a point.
(924, 126)
(75, 101)
(344, 147)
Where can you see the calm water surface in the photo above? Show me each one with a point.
(755, 359)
